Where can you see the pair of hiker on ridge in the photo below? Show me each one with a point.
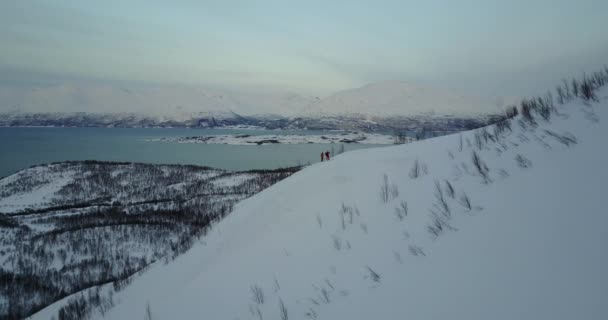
(325, 156)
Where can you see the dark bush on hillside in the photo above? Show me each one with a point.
(511, 112)
(526, 112)
(522, 161)
(481, 167)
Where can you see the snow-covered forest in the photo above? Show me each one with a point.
(69, 226)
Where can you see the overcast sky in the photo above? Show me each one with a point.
(513, 47)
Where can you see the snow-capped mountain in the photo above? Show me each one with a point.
(396, 98)
(381, 106)
(180, 103)
(174, 102)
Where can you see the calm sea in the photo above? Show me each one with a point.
(23, 147)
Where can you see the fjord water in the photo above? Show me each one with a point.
(24, 147)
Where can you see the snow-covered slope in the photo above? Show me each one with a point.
(324, 244)
(403, 99)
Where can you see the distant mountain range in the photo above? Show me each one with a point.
(395, 98)
(428, 123)
(379, 106)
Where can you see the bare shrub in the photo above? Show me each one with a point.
(465, 201)
(482, 168)
(511, 112)
(258, 312)
(501, 127)
(283, 310)
(148, 315)
(373, 275)
(566, 138)
(487, 136)
(522, 161)
(588, 90)
(346, 215)
(401, 211)
(575, 87)
(567, 91)
(311, 314)
(545, 106)
(478, 140)
(337, 242)
(330, 285)
(450, 189)
(436, 228)
(460, 143)
(560, 95)
(526, 111)
(325, 296)
(257, 294)
(441, 204)
(384, 189)
(439, 225)
(388, 192)
(416, 250)
(394, 191)
(418, 169)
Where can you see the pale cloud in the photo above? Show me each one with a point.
(313, 47)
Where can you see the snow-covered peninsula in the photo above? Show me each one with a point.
(247, 139)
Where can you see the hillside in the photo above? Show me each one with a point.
(68, 226)
(504, 222)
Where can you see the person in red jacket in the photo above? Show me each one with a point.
(327, 155)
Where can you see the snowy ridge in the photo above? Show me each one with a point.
(522, 237)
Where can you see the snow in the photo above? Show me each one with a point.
(232, 180)
(236, 139)
(40, 195)
(533, 245)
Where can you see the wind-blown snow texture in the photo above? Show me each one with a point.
(534, 244)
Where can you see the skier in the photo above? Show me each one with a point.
(327, 155)
(322, 156)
